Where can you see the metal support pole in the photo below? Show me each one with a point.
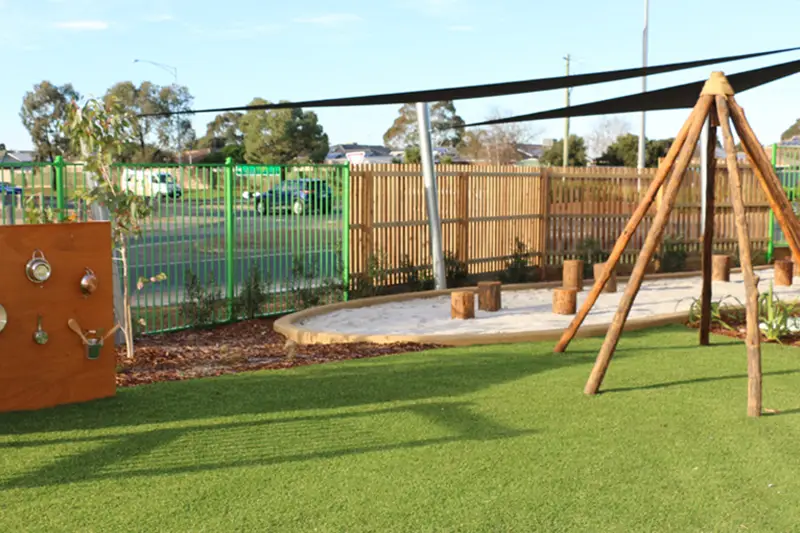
(431, 195)
(704, 174)
(565, 157)
(230, 235)
(346, 231)
(61, 196)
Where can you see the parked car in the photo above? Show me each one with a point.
(300, 196)
(9, 188)
(151, 184)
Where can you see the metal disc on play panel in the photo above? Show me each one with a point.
(3, 317)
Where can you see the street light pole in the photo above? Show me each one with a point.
(174, 71)
(644, 84)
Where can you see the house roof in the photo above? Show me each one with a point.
(370, 149)
(17, 156)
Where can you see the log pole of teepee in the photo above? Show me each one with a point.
(651, 242)
(700, 110)
(708, 228)
(778, 201)
(753, 336)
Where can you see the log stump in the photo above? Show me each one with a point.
(784, 271)
(611, 284)
(489, 296)
(720, 267)
(573, 274)
(565, 301)
(462, 305)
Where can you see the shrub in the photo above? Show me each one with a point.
(776, 316)
(518, 268)
(250, 301)
(203, 301)
(673, 256)
(590, 252)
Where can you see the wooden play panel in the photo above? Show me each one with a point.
(34, 376)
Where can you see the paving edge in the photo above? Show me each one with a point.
(289, 326)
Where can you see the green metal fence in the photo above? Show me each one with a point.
(214, 229)
(786, 161)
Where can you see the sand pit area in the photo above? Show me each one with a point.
(525, 311)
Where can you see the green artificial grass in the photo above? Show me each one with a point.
(491, 439)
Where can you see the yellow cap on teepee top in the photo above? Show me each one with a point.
(717, 84)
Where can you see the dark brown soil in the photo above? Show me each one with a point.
(233, 348)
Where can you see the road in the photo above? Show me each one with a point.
(182, 239)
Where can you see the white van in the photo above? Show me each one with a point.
(150, 183)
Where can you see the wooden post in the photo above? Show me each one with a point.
(650, 244)
(692, 126)
(489, 298)
(784, 271)
(573, 274)
(367, 220)
(462, 215)
(708, 233)
(753, 338)
(721, 267)
(763, 170)
(462, 305)
(564, 301)
(611, 285)
(545, 192)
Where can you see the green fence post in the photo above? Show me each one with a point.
(346, 230)
(229, 237)
(61, 196)
(771, 245)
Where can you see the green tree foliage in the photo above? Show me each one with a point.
(792, 131)
(412, 155)
(282, 136)
(153, 137)
(97, 130)
(44, 113)
(234, 151)
(224, 130)
(624, 152)
(554, 156)
(404, 132)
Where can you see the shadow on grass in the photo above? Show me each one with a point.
(709, 379)
(259, 443)
(438, 374)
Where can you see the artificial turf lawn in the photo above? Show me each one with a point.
(489, 439)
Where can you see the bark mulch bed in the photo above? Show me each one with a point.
(234, 348)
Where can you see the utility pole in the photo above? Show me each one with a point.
(644, 85)
(566, 121)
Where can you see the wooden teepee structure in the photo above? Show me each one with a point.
(716, 104)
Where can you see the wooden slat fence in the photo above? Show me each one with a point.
(553, 211)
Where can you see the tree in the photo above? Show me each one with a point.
(96, 130)
(224, 130)
(154, 136)
(281, 136)
(605, 133)
(554, 156)
(792, 131)
(44, 112)
(497, 144)
(624, 152)
(445, 127)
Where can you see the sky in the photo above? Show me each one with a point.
(229, 52)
